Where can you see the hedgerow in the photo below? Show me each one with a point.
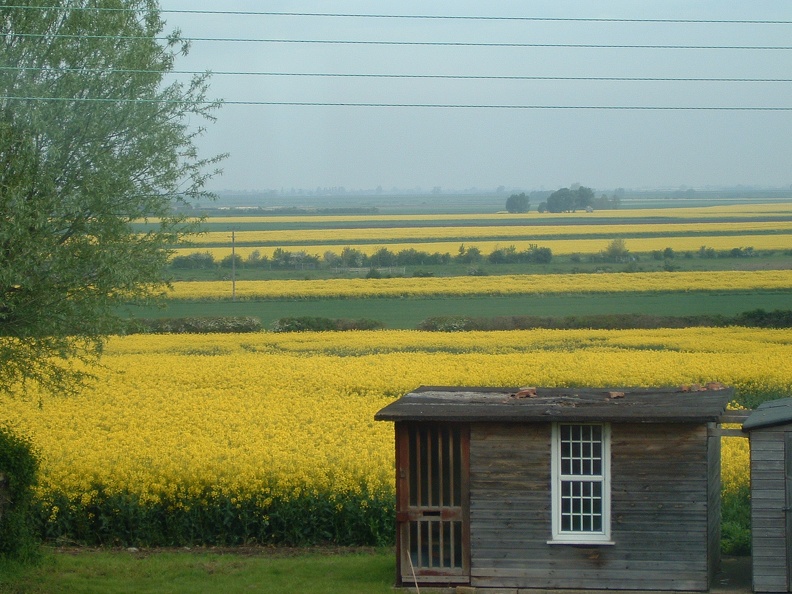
(18, 471)
(219, 519)
(757, 318)
(195, 325)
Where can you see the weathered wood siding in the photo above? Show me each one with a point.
(659, 511)
(768, 500)
(714, 499)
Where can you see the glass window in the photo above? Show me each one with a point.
(581, 482)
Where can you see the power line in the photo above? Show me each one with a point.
(407, 105)
(403, 76)
(426, 16)
(414, 43)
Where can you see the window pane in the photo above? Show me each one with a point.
(580, 450)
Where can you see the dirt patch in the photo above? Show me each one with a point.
(734, 575)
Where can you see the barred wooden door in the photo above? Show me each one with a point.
(432, 496)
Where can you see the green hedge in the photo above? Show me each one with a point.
(18, 470)
(228, 324)
(757, 318)
(317, 324)
(347, 519)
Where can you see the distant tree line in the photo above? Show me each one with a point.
(354, 258)
(757, 318)
(570, 200)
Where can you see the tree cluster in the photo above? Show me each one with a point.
(517, 203)
(568, 200)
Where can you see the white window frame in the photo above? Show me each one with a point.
(560, 536)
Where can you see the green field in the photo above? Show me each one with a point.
(408, 313)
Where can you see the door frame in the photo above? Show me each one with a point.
(440, 516)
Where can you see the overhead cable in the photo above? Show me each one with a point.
(412, 43)
(407, 105)
(423, 16)
(399, 76)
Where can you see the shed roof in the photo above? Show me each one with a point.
(688, 404)
(770, 414)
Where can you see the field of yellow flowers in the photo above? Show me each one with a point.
(271, 438)
(478, 232)
(679, 243)
(523, 284)
(765, 227)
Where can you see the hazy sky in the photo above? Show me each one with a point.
(275, 146)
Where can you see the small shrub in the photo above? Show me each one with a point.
(232, 261)
(759, 318)
(361, 324)
(196, 260)
(226, 325)
(18, 470)
(736, 522)
(448, 324)
(317, 324)
(303, 324)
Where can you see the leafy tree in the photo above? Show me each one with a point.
(92, 138)
(469, 255)
(383, 257)
(562, 200)
(517, 203)
(232, 261)
(616, 251)
(566, 200)
(352, 257)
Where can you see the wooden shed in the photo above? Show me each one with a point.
(770, 430)
(530, 488)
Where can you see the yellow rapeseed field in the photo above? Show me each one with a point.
(288, 414)
(525, 232)
(736, 211)
(768, 242)
(527, 284)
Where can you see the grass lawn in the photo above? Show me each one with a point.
(199, 571)
(408, 313)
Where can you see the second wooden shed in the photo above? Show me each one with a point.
(770, 430)
(558, 488)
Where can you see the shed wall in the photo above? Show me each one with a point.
(768, 500)
(660, 508)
